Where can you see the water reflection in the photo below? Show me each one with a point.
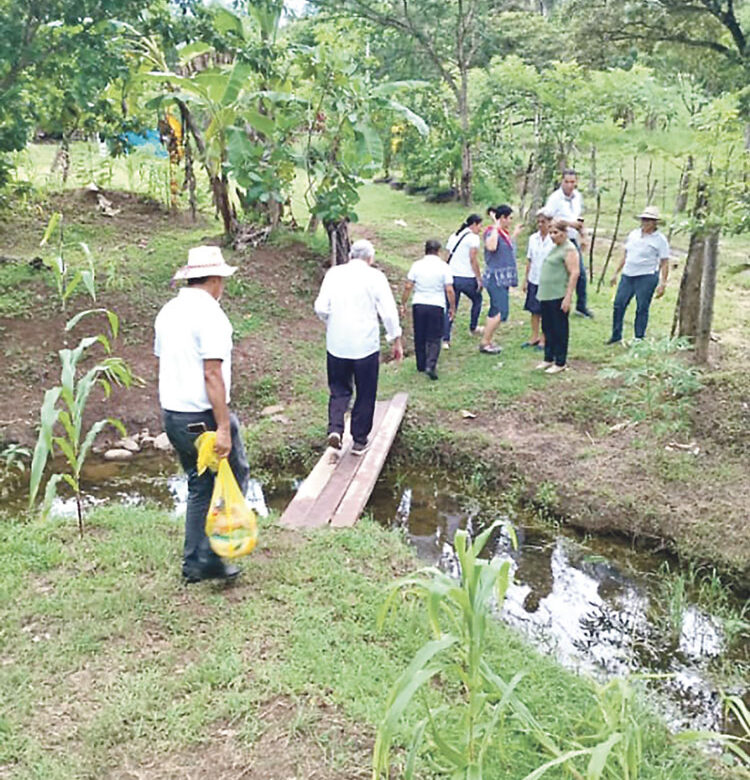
(592, 605)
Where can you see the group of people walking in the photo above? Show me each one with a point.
(193, 336)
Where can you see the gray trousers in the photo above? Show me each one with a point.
(198, 557)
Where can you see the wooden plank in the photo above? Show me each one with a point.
(297, 512)
(360, 488)
(330, 497)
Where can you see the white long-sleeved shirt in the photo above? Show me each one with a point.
(351, 299)
(568, 207)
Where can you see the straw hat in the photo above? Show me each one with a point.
(650, 212)
(204, 261)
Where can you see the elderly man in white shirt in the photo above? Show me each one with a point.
(351, 299)
(193, 342)
(566, 203)
(645, 268)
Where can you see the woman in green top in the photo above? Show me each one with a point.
(560, 272)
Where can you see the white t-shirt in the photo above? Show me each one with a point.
(460, 263)
(644, 252)
(430, 276)
(538, 249)
(351, 299)
(566, 207)
(189, 329)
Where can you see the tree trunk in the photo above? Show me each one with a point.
(592, 173)
(682, 195)
(338, 240)
(689, 301)
(707, 295)
(220, 187)
(312, 224)
(466, 161)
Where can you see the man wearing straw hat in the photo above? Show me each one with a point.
(645, 268)
(193, 342)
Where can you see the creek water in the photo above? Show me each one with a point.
(596, 604)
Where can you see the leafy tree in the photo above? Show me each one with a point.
(450, 34)
(70, 44)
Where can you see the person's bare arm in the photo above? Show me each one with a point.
(407, 292)
(526, 276)
(474, 260)
(663, 276)
(217, 395)
(490, 242)
(621, 265)
(451, 293)
(573, 269)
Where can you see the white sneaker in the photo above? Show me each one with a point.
(446, 345)
(554, 369)
(544, 365)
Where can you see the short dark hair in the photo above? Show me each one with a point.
(503, 211)
(197, 280)
(432, 246)
(570, 172)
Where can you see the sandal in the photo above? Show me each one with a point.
(527, 344)
(490, 349)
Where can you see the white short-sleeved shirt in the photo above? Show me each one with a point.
(566, 207)
(189, 329)
(430, 275)
(460, 262)
(538, 249)
(644, 252)
(351, 299)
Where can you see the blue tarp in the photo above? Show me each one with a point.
(146, 138)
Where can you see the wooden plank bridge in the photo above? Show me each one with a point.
(337, 489)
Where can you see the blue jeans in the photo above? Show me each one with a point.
(198, 556)
(582, 282)
(643, 288)
(464, 285)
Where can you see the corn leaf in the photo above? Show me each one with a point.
(48, 418)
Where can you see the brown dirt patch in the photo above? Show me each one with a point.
(286, 275)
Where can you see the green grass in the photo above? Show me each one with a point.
(109, 662)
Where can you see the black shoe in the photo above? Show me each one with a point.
(585, 313)
(432, 373)
(220, 571)
(360, 448)
(614, 341)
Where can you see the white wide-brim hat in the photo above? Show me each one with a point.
(204, 261)
(650, 212)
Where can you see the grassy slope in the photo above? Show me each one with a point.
(110, 666)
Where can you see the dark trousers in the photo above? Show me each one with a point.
(556, 332)
(643, 288)
(582, 283)
(342, 374)
(198, 555)
(468, 286)
(428, 329)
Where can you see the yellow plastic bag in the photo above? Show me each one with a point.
(231, 526)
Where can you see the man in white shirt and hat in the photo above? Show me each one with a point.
(351, 299)
(645, 268)
(193, 342)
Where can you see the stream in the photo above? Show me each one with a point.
(596, 604)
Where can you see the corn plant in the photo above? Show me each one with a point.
(66, 283)
(65, 404)
(457, 612)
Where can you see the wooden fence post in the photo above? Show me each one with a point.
(593, 236)
(708, 293)
(688, 301)
(614, 235)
